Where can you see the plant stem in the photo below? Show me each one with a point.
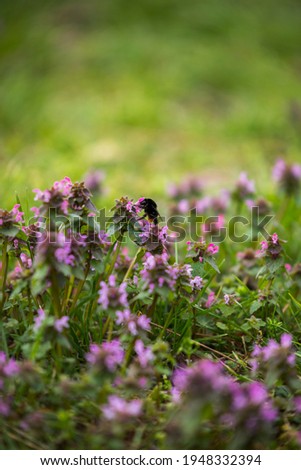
(4, 272)
(131, 266)
(128, 355)
(80, 285)
(169, 316)
(153, 305)
(176, 253)
(114, 258)
(105, 327)
(29, 304)
(3, 342)
(68, 291)
(55, 295)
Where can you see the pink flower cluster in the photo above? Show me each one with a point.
(8, 367)
(131, 322)
(144, 353)
(111, 295)
(287, 176)
(271, 247)
(191, 186)
(214, 226)
(119, 409)
(206, 383)
(202, 249)
(62, 187)
(10, 218)
(244, 186)
(109, 354)
(63, 253)
(157, 273)
(279, 355)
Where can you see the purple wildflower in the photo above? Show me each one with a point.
(112, 296)
(275, 360)
(38, 320)
(120, 409)
(61, 323)
(297, 404)
(18, 215)
(212, 249)
(207, 388)
(244, 187)
(109, 354)
(190, 187)
(183, 206)
(4, 408)
(196, 283)
(63, 253)
(9, 219)
(271, 248)
(214, 226)
(287, 176)
(132, 322)
(144, 353)
(2, 358)
(94, 180)
(286, 340)
(11, 368)
(210, 300)
(26, 260)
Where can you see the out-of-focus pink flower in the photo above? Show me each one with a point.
(61, 323)
(4, 408)
(275, 238)
(212, 249)
(111, 295)
(94, 180)
(26, 260)
(120, 409)
(196, 282)
(244, 186)
(110, 354)
(18, 215)
(11, 368)
(210, 300)
(287, 176)
(38, 320)
(144, 353)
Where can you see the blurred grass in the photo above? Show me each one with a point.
(148, 91)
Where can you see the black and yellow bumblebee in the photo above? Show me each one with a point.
(150, 209)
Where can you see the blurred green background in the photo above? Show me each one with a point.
(147, 91)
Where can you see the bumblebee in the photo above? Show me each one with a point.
(150, 209)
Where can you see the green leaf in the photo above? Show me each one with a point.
(9, 231)
(274, 264)
(212, 263)
(198, 269)
(256, 305)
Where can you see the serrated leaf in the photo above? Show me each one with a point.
(114, 228)
(274, 265)
(256, 305)
(211, 262)
(226, 309)
(198, 269)
(9, 231)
